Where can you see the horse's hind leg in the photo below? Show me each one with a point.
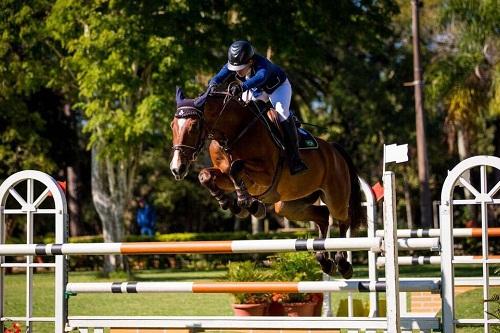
(218, 184)
(304, 210)
(344, 266)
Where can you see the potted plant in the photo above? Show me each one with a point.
(248, 304)
(295, 267)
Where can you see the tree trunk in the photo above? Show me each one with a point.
(423, 164)
(496, 177)
(73, 176)
(73, 197)
(409, 213)
(462, 144)
(112, 185)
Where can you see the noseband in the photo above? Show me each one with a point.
(186, 112)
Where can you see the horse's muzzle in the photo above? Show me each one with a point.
(179, 172)
(178, 168)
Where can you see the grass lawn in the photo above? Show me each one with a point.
(469, 304)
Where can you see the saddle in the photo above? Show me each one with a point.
(306, 139)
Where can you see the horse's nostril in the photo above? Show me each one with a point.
(182, 169)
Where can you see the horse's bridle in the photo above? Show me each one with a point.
(186, 112)
(190, 111)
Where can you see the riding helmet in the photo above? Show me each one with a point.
(239, 55)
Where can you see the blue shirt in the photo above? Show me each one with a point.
(146, 216)
(264, 75)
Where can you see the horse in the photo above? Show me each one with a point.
(247, 159)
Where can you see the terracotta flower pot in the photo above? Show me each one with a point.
(299, 309)
(275, 309)
(249, 309)
(318, 299)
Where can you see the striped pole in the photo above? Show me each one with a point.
(457, 233)
(246, 287)
(208, 247)
(215, 247)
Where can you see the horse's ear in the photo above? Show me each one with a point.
(179, 95)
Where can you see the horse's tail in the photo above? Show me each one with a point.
(356, 215)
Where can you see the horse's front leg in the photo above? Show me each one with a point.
(218, 184)
(245, 200)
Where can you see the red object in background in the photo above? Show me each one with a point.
(378, 190)
(472, 224)
(16, 328)
(61, 185)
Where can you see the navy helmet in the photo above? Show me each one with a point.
(239, 55)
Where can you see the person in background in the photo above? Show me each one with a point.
(146, 218)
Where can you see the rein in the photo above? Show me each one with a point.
(257, 116)
(228, 97)
(189, 111)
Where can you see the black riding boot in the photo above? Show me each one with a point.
(295, 164)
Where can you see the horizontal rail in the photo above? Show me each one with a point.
(473, 202)
(34, 211)
(27, 319)
(476, 261)
(208, 247)
(436, 260)
(419, 244)
(475, 322)
(246, 287)
(213, 247)
(457, 232)
(24, 265)
(278, 323)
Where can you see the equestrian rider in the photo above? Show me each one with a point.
(263, 80)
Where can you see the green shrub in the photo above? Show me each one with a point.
(247, 271)
(294, 267)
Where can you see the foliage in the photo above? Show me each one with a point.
(247, 271)
(24, 62)
(117, 64)
(294, 267)
(464, 72)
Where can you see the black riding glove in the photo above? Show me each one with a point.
(236, 89)
(211, 87)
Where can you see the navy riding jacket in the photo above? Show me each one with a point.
(264, 75)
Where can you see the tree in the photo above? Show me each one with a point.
(127, 58)
(22, 145)
(465, 72)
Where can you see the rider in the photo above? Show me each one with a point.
(264, 81)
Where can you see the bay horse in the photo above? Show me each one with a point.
(247, 160)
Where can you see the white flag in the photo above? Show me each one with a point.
(395, 153)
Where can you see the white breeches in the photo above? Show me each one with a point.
(280, 99)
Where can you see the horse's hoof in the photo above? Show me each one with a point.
(340, 257)
(258, 209)
(320, 256)
(345, 269)
(243, 213)
(239, 212)
(328, 266)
